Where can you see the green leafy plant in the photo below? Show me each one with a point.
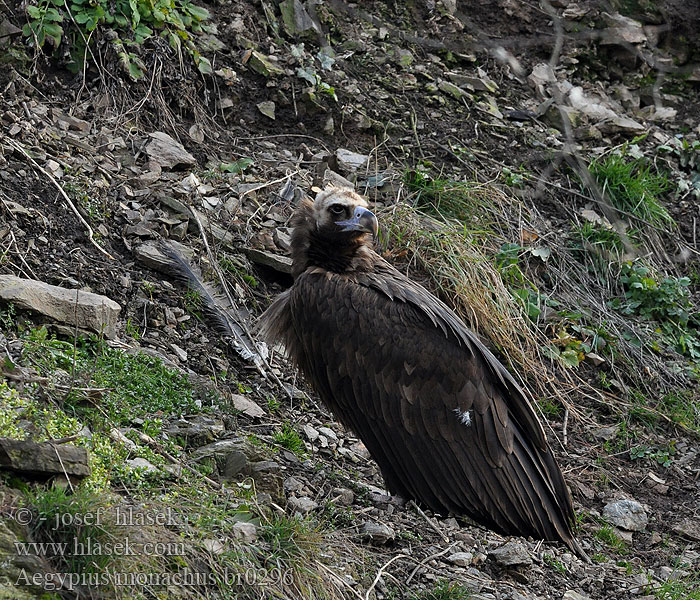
(661, 455)
(688, 155)
(44, 23)
(130, 23)
(237, 166)
(668, 299)
(288, 438)
(515, 178)
(664, 300)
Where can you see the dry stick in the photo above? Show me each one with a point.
(61, 191)
(428, 520)
(24, 262)
(428, 558)
(66, 439)
(65, 473)
(379, 573)
(339, 578)
(45, 380)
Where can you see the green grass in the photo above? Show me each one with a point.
(289, 539)
(93, 385)
(685, 588)
(131, 385)
(288, 438)
(557, 565)
(682, 408)
(599, 236)
(445, 197)
(76, 520)
(633, 187)
(444, 590)
(614, 542)
(107, 390)
(549, 407)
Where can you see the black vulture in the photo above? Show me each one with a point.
(442, 417)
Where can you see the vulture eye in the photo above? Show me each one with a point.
(337, 209)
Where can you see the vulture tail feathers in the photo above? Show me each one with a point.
(215, 304)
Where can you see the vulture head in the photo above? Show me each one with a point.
(332, 232)
(343, 213)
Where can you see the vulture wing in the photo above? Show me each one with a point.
(444, 420)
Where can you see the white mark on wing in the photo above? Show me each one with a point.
(464, 417)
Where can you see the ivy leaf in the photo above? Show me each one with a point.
(570, 358)
(142, 33)
(53, 15)
(237, 167)
(34, 12)
(541, 253)
(198, 12)
(204, 65)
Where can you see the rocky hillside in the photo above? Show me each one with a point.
(537, 166)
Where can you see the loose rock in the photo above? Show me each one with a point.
(377, 533)
(510, 555)
(166, 152)
(74, 307)
(626, 514)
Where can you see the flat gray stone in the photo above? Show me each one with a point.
(461, 559)
(236, 462)
(377, 533)
(246, 406)
(329, 433)
(622, 30)
(245, 531)
(689, 528)
(626, 514)
(73, 307)
(167, 152)
(142, 463)
(453, 90)
(510, 555)
(349, 160)
(310, 432)
(573, 595)
(303, 505)
(343, 496)
(43, 459)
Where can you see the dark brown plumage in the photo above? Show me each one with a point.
(445, 421)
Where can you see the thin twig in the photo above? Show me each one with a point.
(61, 191)
(430, 522)
(379, 573)
(429, 558)
(340, 579)
(65, 473)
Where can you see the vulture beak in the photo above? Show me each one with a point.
(363, 220)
